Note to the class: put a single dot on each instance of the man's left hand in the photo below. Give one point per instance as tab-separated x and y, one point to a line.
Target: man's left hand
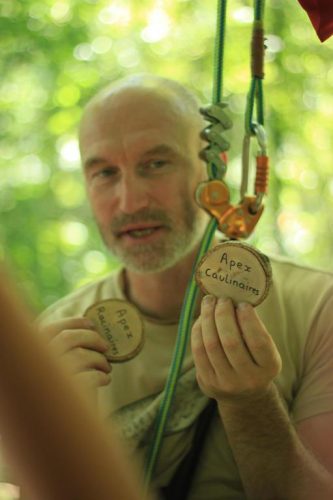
234	355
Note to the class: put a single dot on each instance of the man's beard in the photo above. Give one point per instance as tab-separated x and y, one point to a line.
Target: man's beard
180	237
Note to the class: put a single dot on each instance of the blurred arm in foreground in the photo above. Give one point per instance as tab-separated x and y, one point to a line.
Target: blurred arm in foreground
57	448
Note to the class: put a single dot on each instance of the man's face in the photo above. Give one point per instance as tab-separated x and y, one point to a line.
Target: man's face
140	156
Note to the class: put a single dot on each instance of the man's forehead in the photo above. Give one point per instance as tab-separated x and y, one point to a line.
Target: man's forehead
123	120
134	122
132	126
137	106
138	94
134	147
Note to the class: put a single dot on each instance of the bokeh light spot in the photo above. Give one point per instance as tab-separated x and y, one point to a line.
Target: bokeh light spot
31	170
116	13
101	44
60	12
95	262
63	121
158	26
68	95
73	234
309	179
69	154
84	52
128	56
68	191
243	14
274	43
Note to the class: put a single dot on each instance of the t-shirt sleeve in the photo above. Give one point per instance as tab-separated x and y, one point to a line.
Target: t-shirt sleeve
315	392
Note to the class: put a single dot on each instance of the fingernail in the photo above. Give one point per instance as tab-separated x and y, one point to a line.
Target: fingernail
90	324
223	300
243	306
209	300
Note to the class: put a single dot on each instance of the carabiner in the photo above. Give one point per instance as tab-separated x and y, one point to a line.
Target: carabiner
261	181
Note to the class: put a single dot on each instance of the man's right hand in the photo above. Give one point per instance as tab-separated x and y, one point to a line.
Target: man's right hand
81	350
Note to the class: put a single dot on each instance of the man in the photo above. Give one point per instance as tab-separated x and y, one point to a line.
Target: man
269	369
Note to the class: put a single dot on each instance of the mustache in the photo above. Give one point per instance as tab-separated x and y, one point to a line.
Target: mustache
144	215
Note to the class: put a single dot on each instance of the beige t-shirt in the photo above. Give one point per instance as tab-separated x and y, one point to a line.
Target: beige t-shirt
298	313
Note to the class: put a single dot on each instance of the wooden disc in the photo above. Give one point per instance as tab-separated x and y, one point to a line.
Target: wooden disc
121	325
237	271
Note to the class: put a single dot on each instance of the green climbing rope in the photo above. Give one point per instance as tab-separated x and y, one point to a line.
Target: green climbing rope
212	170
188	309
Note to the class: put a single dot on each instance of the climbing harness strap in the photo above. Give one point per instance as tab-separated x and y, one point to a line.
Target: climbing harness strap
180	484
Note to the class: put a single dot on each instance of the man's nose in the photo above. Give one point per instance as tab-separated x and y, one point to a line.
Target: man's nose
132	195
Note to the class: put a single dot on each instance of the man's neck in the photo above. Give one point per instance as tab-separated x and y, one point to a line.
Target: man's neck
160	295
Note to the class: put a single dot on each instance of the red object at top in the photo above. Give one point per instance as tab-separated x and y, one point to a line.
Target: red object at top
320	13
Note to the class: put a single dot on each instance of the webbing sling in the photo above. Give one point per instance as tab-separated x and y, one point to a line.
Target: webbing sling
180	484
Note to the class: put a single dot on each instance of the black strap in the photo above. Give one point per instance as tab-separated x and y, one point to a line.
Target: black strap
180	484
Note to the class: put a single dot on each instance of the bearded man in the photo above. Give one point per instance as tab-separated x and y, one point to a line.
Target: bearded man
269	370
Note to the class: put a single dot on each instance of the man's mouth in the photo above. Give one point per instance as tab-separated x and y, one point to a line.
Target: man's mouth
138	231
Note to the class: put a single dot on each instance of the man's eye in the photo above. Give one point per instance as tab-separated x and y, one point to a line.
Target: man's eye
103	173
156	164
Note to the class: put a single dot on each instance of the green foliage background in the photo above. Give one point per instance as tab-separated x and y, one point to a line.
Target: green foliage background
56	54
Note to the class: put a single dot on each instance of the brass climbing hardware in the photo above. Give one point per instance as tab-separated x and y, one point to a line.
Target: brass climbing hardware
235	221
238	221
